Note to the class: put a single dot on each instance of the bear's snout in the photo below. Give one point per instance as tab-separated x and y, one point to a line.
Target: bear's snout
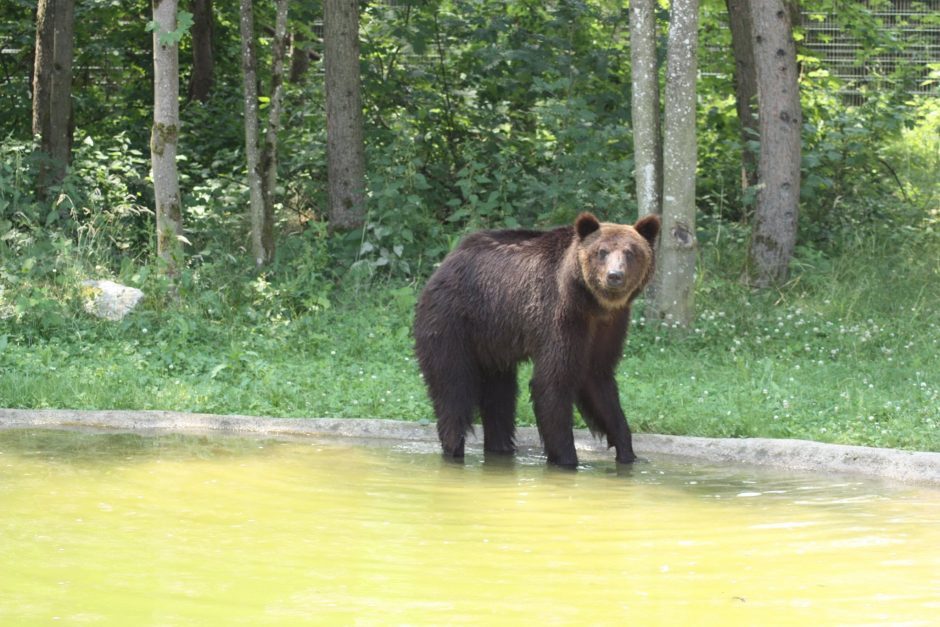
615	278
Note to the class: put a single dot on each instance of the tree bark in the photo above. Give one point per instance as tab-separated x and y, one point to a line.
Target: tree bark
42	73
202	77
647	135
745	86
52	88
344	132
252	149
773	236
299	57
164	137
60	112
647	141
677	245
269	150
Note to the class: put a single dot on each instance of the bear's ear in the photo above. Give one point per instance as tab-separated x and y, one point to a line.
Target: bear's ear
586	224
648	227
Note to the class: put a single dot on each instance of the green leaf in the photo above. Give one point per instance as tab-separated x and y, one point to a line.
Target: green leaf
184	21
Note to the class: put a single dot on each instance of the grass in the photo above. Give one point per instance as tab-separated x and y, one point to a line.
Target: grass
847	353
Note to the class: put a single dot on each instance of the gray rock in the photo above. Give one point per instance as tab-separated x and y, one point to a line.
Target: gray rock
110	300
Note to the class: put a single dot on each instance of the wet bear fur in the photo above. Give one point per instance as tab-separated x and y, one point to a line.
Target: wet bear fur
560	298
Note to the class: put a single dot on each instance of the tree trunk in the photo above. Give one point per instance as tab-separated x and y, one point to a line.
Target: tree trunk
647	138
677	246
200	81
745	86
60	112
647	142
42	63
52	88
163	140
773	236
269	151
299	57
344	133
252	149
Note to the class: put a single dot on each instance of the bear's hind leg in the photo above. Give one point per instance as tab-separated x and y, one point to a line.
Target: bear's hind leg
455	409
454	386
498	411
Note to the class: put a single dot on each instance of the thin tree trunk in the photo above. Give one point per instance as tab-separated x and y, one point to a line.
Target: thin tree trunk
42	74
299	57
773	236
345	150
269	150
52	88
163	140
60	113
252	149
647	142
201	79
745	86
647	135
677	248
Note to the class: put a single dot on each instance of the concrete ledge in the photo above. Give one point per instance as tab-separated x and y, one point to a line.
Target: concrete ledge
908	466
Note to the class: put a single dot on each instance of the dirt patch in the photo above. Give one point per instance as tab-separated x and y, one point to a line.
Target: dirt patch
908	466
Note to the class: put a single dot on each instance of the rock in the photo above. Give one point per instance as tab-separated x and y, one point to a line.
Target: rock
110	300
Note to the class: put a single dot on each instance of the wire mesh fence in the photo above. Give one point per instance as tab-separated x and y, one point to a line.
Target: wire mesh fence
872	45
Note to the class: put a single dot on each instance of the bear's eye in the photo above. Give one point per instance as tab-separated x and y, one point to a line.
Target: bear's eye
602	253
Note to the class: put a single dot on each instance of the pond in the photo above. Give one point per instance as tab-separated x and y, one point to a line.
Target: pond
130	528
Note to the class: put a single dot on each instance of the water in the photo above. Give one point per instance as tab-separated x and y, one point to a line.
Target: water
124	529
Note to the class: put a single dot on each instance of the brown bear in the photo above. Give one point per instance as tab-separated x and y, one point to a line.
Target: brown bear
560	298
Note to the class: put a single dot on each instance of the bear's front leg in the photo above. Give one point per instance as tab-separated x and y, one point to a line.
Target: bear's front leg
600	401
553	403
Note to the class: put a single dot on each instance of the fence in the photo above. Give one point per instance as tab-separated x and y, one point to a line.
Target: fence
895	45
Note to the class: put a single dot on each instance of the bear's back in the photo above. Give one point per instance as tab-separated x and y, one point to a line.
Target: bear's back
550	245
498	289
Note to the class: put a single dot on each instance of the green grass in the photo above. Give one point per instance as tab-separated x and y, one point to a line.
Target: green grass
847	352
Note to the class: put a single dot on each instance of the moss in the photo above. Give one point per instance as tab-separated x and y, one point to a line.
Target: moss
169	246
162	135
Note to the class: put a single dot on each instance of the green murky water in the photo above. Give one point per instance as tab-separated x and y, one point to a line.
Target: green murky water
186	530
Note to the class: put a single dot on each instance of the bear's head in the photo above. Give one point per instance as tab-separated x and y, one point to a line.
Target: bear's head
616	259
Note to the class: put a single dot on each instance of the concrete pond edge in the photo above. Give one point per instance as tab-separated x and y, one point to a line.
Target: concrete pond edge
897	465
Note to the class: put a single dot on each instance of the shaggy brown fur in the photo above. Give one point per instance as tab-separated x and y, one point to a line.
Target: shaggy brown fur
560	298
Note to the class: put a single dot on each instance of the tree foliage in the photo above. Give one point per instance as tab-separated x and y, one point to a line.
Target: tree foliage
477	114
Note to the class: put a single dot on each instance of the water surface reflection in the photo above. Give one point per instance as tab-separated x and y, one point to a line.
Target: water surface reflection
131	529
